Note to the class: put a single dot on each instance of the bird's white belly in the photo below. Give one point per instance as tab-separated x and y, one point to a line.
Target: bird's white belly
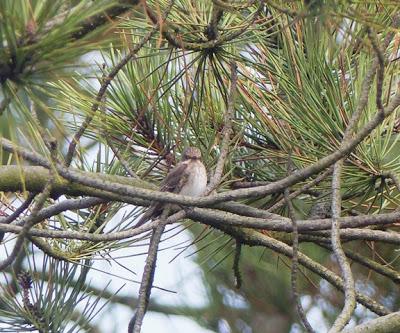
196	182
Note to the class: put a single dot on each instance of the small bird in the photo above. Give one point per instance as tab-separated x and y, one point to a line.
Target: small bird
188	177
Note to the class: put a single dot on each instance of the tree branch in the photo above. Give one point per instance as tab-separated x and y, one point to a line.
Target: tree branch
17	212
103	89
280	185
385	324
148	275
255	238
305	188
295	259
226	132
349	286
29	221
176	41
371	264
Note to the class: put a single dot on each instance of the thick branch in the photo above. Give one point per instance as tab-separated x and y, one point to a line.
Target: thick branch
277	186
33	179
386	324
18	178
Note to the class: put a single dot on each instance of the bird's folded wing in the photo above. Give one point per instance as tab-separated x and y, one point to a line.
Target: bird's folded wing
175	179
174	182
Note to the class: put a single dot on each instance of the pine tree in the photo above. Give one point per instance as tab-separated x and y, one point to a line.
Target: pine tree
293	106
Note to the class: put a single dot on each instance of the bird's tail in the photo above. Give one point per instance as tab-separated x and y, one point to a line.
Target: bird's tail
149	214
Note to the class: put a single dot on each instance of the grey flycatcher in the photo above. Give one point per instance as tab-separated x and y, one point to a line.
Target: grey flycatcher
188	177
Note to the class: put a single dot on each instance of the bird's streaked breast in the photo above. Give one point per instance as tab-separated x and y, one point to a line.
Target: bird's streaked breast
197	180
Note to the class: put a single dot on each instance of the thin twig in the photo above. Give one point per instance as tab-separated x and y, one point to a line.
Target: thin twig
349	287
146	285
47	139
235	266
226	132
371	264
59	207
305	188
121	159
380	71
115	150
348	234
9	219
104	86
295	259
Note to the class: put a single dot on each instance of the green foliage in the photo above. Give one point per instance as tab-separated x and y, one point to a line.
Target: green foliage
41	42
51	295
297	95
300	73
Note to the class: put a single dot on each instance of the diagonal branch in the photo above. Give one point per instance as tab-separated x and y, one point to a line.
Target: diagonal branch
254	238
121	159
226	132
388	323
295	259
305	188
371	264
9	219
104	86
148	275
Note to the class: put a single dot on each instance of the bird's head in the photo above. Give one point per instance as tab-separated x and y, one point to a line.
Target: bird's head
191	153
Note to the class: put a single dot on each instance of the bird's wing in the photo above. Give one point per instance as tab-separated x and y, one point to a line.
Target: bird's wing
174	182
175	179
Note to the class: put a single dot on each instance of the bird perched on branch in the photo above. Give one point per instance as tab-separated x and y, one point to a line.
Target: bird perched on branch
188	177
